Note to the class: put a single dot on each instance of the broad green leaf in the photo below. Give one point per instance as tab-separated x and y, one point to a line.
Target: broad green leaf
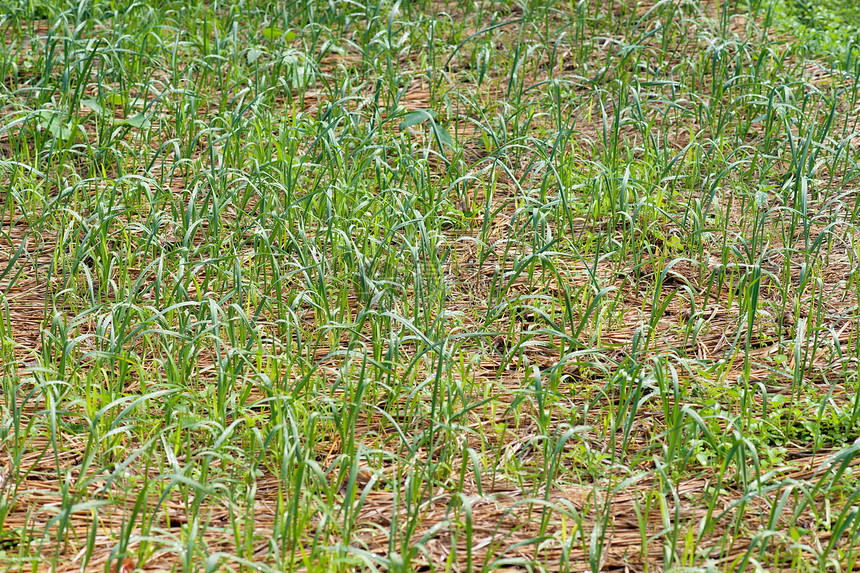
93	105
253	55
332	47
115	99
443	138
138	121
53	122
273	33
442	135
302	76
60	130
416	117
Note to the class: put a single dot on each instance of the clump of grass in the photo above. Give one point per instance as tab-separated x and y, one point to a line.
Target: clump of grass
398	286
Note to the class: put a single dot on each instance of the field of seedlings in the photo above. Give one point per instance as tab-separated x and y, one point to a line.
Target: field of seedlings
429	286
